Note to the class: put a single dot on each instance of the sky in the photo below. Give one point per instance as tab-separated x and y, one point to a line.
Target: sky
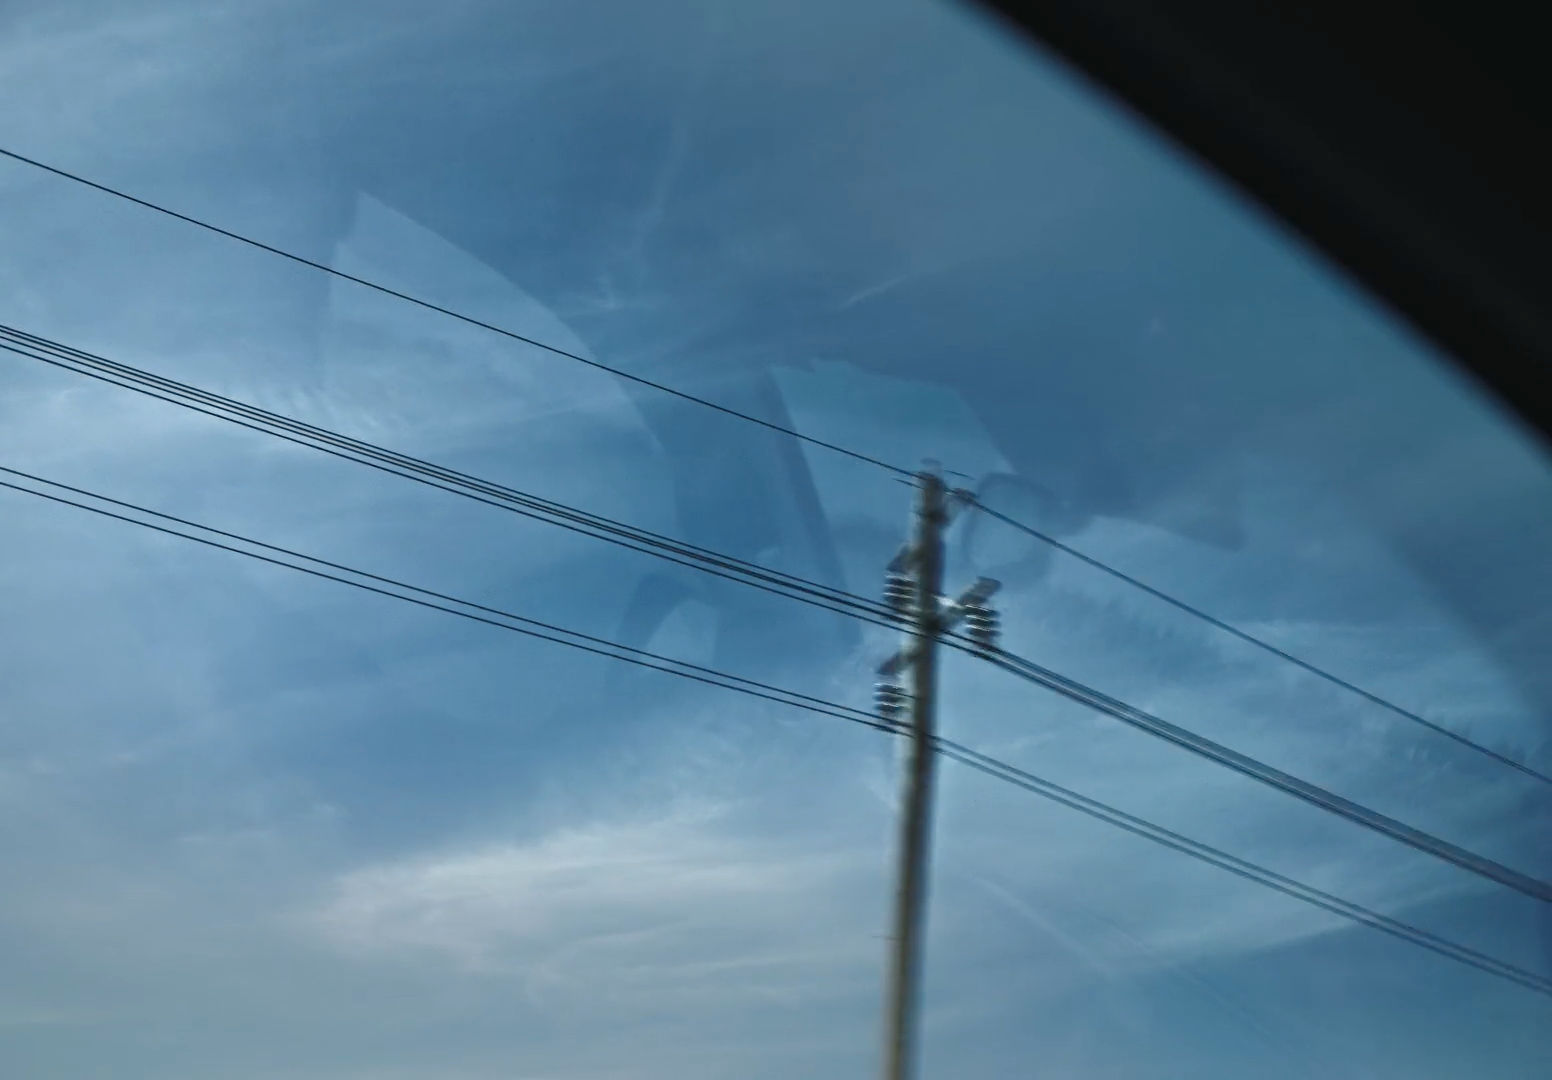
257	826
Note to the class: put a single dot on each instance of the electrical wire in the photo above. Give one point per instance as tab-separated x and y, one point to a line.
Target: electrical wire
1001	770
490	493
441	601
1270	776
1266	646
449	312
365	453
233	409
709	676
1287	657
1503	874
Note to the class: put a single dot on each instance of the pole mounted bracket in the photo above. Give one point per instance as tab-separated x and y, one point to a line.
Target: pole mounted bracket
898	662
972	599
983	590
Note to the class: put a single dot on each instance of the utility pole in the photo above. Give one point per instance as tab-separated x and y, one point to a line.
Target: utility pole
925	559
914	589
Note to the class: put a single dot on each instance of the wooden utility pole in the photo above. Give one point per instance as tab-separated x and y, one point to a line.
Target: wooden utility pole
924	562
913	589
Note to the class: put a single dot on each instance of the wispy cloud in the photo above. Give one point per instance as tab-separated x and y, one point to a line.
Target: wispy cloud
641	906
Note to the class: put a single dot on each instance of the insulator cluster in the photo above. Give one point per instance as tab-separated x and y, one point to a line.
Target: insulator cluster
982	626
889	699
899	593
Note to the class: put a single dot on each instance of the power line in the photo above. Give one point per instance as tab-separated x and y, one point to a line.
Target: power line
1272	777
246	415
1250	871
832	600
710	676
441	601
835	448
487	492
1266	646
859	607
490	493
449	312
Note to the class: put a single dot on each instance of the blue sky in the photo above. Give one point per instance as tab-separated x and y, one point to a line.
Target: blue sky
256	826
